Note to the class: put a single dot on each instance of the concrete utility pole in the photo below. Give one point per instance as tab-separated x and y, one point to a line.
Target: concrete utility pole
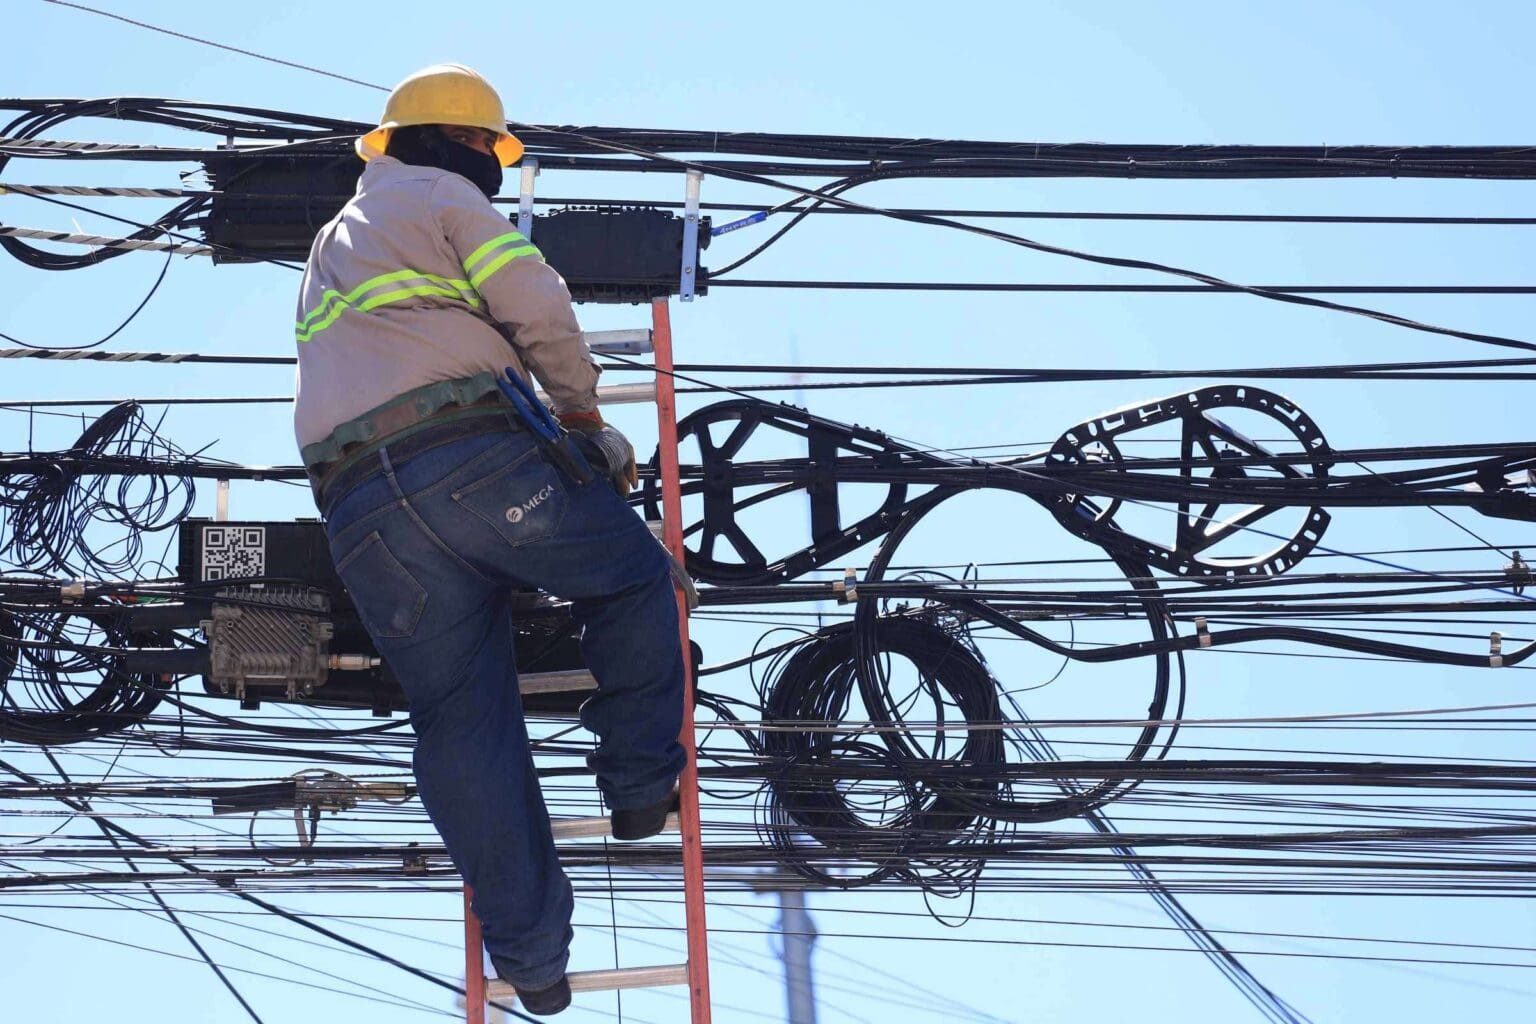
798	935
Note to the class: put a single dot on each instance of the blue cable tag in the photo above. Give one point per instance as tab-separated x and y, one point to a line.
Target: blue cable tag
736	225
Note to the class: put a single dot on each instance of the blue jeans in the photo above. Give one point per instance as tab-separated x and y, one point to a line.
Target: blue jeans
429	547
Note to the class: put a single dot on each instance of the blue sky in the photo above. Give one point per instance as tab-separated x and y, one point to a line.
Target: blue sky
1197	72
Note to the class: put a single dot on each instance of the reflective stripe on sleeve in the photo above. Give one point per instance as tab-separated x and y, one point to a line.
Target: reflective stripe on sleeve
497	253
411	283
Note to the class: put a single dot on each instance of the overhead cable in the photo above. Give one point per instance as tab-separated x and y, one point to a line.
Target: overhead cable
108	241
137	192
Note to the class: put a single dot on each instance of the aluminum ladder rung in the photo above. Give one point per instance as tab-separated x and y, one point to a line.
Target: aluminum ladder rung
497	990
636	342
564	681
619	394
597	828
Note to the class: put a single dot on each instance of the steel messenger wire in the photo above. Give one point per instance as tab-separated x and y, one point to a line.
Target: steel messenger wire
827	196
188	867
137	192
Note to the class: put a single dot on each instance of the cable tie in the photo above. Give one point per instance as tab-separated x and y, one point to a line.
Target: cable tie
1518	572
847	588
1203	631
1495	650
72	592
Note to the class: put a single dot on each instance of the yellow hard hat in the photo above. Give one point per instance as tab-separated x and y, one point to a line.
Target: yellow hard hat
443	94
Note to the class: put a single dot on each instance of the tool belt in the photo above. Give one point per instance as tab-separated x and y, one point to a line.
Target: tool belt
399	418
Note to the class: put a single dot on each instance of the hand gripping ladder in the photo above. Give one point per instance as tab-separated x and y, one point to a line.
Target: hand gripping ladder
695	972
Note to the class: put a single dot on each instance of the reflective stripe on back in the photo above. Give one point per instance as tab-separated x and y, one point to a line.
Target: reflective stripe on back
414	282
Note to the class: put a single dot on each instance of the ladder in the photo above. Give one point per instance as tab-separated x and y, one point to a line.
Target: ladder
478	989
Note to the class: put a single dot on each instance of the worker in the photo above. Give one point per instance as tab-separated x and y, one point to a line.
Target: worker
440	502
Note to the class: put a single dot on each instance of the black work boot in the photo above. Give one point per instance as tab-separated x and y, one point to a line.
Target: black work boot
643	822
545	1002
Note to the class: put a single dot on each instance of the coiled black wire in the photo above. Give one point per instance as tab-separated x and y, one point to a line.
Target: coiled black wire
932	790
816	686
50	508
873	680
33	124
55	689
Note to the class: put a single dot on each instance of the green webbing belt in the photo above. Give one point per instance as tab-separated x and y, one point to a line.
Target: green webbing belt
399	417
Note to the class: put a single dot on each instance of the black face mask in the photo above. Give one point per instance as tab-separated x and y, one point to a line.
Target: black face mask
426	146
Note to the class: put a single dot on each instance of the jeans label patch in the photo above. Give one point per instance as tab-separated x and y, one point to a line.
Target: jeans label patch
516	512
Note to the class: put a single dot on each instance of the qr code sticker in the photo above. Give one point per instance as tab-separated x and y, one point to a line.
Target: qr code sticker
230	552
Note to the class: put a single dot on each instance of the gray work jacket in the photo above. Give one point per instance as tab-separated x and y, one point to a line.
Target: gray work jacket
420	280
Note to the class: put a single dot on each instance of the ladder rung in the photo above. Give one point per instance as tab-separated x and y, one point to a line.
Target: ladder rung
556	682
624	343
596	828
620	394
602	981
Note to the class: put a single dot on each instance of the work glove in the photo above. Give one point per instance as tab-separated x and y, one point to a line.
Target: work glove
681	578
606	450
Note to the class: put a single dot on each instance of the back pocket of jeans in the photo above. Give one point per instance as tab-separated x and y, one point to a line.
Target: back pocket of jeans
389	600
524	501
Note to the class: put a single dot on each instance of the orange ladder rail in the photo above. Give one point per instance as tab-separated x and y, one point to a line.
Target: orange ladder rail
476	987
688	785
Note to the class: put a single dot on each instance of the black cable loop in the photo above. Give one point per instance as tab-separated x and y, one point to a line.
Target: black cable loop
873	682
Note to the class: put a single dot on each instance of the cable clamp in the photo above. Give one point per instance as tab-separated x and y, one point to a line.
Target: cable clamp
390	792
1202	631
325	792
72	592
687	276
1519	573
1495	650
847	588
530	171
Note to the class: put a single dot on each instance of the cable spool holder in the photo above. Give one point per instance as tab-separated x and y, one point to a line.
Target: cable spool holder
840	453
1231	455
717	479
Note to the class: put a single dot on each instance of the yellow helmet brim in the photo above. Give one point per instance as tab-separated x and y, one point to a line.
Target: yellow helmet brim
508	148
